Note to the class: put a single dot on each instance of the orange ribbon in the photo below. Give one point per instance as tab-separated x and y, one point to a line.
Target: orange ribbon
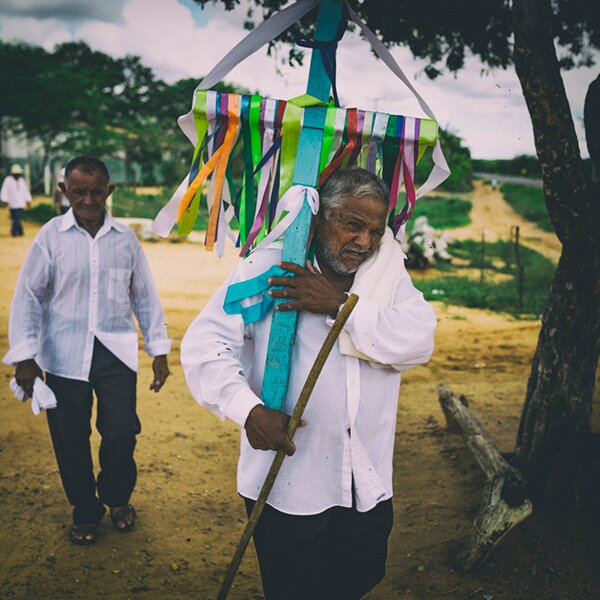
218	161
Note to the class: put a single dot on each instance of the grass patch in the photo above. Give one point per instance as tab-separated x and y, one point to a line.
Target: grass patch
443	213
498	257
529	203
40	213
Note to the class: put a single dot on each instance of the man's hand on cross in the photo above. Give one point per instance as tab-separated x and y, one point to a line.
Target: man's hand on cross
308	290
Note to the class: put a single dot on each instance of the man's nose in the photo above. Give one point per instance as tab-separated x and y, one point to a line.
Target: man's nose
364	239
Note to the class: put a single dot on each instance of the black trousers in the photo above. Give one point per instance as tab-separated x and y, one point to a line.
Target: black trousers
338	554
117	422
16	214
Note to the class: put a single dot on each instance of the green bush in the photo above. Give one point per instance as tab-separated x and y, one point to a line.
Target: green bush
529	203
442	213
459	160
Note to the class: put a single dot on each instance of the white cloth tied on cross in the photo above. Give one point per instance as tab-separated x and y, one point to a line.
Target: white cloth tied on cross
288	208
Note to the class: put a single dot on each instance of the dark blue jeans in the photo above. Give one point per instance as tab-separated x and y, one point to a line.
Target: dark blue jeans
117	422
338	554
16	214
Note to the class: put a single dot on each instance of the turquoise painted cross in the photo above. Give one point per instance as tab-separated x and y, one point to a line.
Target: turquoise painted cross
295	241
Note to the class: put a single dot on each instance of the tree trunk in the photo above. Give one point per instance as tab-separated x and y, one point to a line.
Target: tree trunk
591	121
505	503
555	422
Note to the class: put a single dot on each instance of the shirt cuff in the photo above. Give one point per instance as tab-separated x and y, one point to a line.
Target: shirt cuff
22	351
158	347
369	317
363	318
240	406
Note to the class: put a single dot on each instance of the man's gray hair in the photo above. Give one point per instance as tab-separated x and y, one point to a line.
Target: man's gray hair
355	183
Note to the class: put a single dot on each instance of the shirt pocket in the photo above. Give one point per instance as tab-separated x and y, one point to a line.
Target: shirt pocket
118	286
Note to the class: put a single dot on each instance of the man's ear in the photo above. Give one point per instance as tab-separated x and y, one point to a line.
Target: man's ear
111	188
62	187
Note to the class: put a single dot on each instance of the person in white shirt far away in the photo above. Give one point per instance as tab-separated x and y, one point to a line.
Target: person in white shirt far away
324	531
72	317
16	194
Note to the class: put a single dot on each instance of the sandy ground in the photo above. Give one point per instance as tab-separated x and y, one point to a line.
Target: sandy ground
190	518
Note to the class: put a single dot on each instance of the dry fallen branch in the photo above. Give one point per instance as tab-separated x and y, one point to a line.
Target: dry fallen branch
505	503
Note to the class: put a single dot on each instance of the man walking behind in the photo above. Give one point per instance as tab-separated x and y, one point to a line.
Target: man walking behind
16	194
323	534
71	316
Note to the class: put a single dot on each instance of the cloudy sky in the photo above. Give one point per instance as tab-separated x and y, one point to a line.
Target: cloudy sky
177	39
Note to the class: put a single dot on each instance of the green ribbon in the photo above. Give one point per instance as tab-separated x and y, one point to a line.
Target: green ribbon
328	136
290	134
428	134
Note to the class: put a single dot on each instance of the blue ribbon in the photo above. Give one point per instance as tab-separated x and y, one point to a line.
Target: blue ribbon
328	50
195	168
237	292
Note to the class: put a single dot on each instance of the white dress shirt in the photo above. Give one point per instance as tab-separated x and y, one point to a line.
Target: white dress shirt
15	192
74	287
351	415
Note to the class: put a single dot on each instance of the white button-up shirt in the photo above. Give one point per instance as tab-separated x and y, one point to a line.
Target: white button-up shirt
74	287
15	192
351	415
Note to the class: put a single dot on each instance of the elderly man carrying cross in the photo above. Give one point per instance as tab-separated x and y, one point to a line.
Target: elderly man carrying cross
324	531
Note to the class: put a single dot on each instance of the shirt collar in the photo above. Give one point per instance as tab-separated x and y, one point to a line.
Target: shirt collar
68	221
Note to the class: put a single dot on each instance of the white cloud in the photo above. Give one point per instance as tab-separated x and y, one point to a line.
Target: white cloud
65	10
46	33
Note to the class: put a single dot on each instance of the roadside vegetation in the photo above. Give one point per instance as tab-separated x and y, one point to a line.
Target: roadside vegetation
496	276
529	203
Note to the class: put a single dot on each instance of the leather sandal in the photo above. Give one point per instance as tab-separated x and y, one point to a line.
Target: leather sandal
83	534
117	515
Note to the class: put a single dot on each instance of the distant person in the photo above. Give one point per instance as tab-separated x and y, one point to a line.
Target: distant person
494	183
16	194
72	317
61	202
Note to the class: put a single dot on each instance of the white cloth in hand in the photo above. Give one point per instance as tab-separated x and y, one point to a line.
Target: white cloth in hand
43	397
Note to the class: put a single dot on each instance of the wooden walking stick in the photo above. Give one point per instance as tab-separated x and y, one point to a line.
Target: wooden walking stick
309	385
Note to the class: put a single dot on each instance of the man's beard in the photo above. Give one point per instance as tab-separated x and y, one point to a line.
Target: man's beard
331	258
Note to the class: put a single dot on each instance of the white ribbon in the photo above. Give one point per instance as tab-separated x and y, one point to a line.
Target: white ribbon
440	171
167	217
256	39
291	203
264	33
